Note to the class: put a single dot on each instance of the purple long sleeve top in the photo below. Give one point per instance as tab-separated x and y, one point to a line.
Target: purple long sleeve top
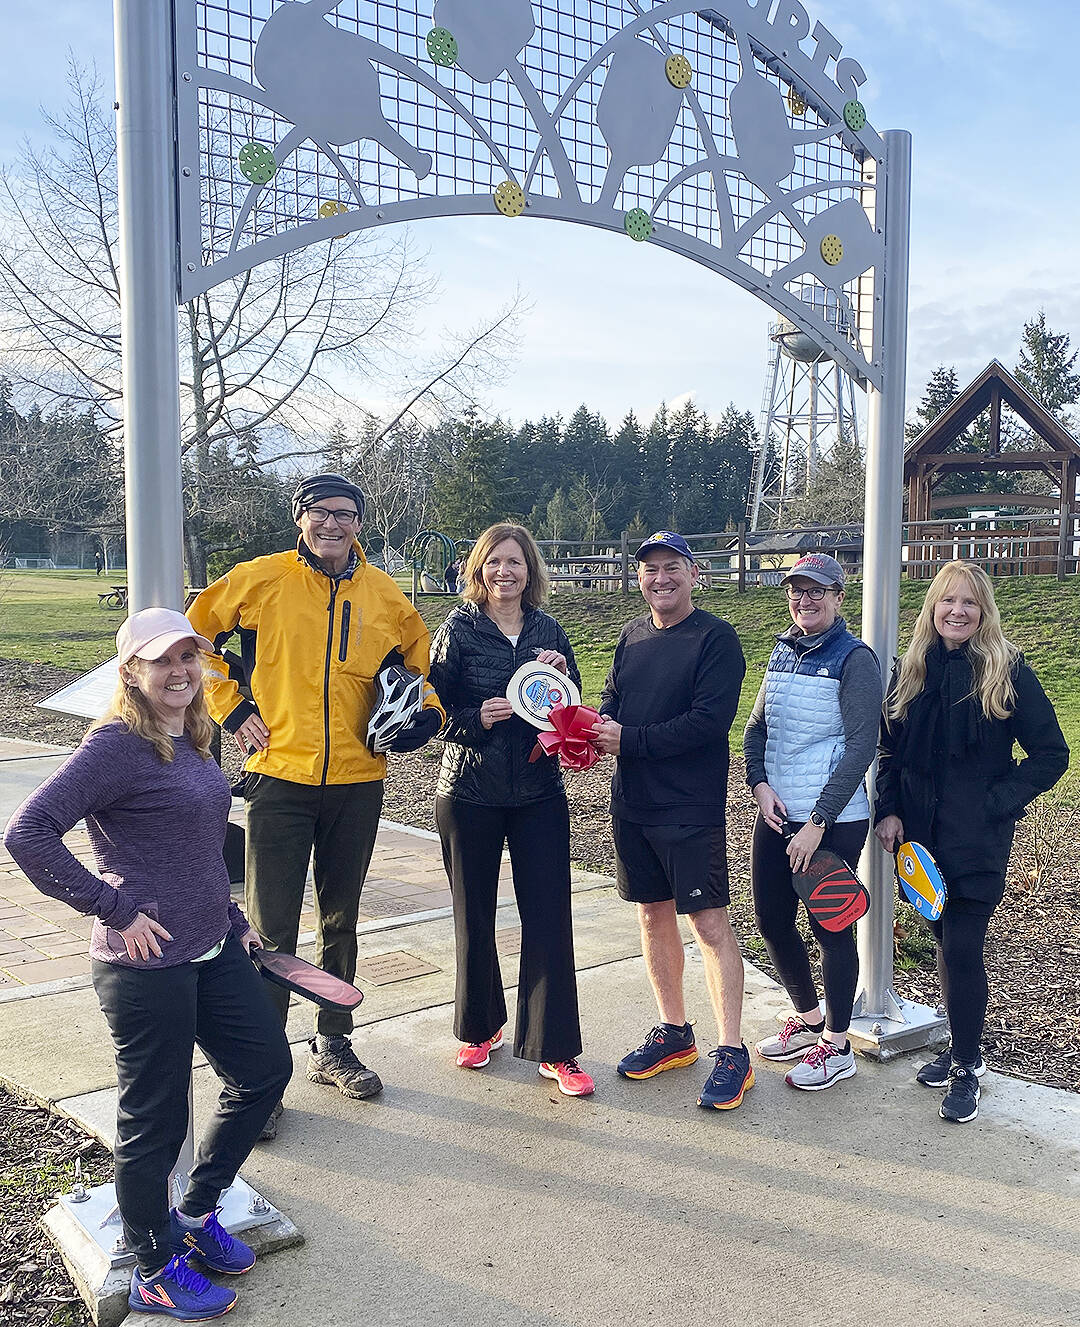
157	832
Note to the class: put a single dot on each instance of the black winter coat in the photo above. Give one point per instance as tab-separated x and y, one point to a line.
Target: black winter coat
949	774
471	661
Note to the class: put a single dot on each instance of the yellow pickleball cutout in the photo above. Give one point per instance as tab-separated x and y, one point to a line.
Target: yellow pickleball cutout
510	199
832	249
678	70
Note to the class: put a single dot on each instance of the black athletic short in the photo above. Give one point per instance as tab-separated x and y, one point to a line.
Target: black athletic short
687	863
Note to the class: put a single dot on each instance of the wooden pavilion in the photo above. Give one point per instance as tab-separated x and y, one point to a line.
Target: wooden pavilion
1035	546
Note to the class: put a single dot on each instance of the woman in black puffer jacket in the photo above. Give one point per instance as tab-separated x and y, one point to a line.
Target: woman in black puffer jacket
961	696
490	795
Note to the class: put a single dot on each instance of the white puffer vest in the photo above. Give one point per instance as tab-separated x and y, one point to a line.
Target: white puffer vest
804	727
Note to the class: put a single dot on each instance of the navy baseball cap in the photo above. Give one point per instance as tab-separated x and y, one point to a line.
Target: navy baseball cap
665	539
819	568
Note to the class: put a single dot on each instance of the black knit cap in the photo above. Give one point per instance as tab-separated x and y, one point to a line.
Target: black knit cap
316	487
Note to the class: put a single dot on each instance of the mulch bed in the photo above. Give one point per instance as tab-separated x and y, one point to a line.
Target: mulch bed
41	1156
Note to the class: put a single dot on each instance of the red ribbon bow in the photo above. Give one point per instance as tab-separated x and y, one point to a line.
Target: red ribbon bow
572	739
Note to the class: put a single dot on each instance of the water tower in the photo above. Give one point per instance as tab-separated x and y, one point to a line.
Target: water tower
808	405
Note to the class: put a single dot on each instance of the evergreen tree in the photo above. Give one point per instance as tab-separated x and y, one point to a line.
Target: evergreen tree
470	483
655	484
1046	368
942	389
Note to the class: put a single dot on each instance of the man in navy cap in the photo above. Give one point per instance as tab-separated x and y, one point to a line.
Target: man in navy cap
316	624
668	704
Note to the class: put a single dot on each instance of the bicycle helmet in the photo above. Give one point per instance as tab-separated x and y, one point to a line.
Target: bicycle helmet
399	698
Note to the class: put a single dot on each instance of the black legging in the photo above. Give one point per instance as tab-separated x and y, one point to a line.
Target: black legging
776	906
960	934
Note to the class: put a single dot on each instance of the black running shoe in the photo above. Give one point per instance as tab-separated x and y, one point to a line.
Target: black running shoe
962	1099
936	1073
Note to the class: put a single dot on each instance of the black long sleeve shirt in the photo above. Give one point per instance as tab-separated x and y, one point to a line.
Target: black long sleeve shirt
675	690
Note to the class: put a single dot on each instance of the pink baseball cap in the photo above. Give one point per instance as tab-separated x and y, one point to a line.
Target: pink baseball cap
151	631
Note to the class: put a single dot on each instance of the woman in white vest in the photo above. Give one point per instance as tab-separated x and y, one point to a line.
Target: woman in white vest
808	744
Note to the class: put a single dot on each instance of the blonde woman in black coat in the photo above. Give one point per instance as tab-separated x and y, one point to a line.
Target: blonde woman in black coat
960	698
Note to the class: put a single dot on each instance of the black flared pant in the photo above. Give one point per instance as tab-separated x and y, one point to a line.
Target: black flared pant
538	836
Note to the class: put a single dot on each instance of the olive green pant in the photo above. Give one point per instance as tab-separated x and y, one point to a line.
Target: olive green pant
285	821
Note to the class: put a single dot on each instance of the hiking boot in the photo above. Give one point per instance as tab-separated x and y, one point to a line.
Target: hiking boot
823	1065
962	1099
731	1078
936	1073
212	1244
477	1053
179	1292
337	1066
789	1043
572	1079
269	1130
666	1047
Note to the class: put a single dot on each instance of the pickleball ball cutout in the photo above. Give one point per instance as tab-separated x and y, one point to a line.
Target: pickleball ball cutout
678	70
442	47
257	164
510	199
832	249
638	224
796	102
855	115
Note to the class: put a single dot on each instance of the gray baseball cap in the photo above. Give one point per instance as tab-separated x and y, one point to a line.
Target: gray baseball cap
819	568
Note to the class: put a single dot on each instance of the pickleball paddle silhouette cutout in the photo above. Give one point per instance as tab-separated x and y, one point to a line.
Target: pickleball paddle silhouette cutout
636	112
323	80
764	139
847	224
490	34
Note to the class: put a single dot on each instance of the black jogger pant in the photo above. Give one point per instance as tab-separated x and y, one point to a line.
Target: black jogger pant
775	907
538	836
284	822
156	1017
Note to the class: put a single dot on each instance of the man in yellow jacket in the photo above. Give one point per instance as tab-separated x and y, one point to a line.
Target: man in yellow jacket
316	624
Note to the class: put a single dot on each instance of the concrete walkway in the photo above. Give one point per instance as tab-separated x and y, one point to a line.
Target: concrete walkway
486	1198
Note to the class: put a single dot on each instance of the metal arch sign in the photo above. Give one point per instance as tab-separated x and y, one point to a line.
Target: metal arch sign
733	135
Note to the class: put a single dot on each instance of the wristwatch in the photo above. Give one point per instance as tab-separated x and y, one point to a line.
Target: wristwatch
818	820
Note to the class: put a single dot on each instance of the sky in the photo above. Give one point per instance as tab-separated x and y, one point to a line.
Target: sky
988	92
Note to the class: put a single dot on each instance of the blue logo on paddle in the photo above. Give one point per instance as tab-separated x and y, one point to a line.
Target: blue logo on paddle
542	696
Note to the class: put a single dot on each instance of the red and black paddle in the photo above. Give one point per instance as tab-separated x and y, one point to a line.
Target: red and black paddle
831	891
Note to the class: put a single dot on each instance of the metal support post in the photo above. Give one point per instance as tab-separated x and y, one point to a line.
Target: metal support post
146	197
885	1024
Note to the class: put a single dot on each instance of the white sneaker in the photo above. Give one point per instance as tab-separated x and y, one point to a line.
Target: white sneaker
789	1043
822	1066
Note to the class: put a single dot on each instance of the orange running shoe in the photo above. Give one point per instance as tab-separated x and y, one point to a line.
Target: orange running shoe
573	1081
477	1053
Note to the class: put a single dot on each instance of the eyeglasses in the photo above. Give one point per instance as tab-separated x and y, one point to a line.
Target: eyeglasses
811	592
344	516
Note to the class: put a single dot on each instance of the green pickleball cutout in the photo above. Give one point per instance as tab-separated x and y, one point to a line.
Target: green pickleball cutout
638	224
854	115
257	163
442	47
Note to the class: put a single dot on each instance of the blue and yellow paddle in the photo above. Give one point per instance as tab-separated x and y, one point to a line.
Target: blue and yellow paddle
921	880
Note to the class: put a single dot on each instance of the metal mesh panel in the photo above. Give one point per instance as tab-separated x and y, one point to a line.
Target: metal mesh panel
478	135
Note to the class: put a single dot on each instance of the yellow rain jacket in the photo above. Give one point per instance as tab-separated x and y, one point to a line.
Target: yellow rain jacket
311	646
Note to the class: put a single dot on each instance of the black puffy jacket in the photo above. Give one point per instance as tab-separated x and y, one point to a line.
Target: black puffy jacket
471	661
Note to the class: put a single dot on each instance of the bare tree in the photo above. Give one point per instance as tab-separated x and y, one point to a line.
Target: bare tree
268	348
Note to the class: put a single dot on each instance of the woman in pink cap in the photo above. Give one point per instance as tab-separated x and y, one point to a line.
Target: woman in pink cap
169	955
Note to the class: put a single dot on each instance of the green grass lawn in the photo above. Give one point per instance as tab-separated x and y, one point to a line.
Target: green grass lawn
53	617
